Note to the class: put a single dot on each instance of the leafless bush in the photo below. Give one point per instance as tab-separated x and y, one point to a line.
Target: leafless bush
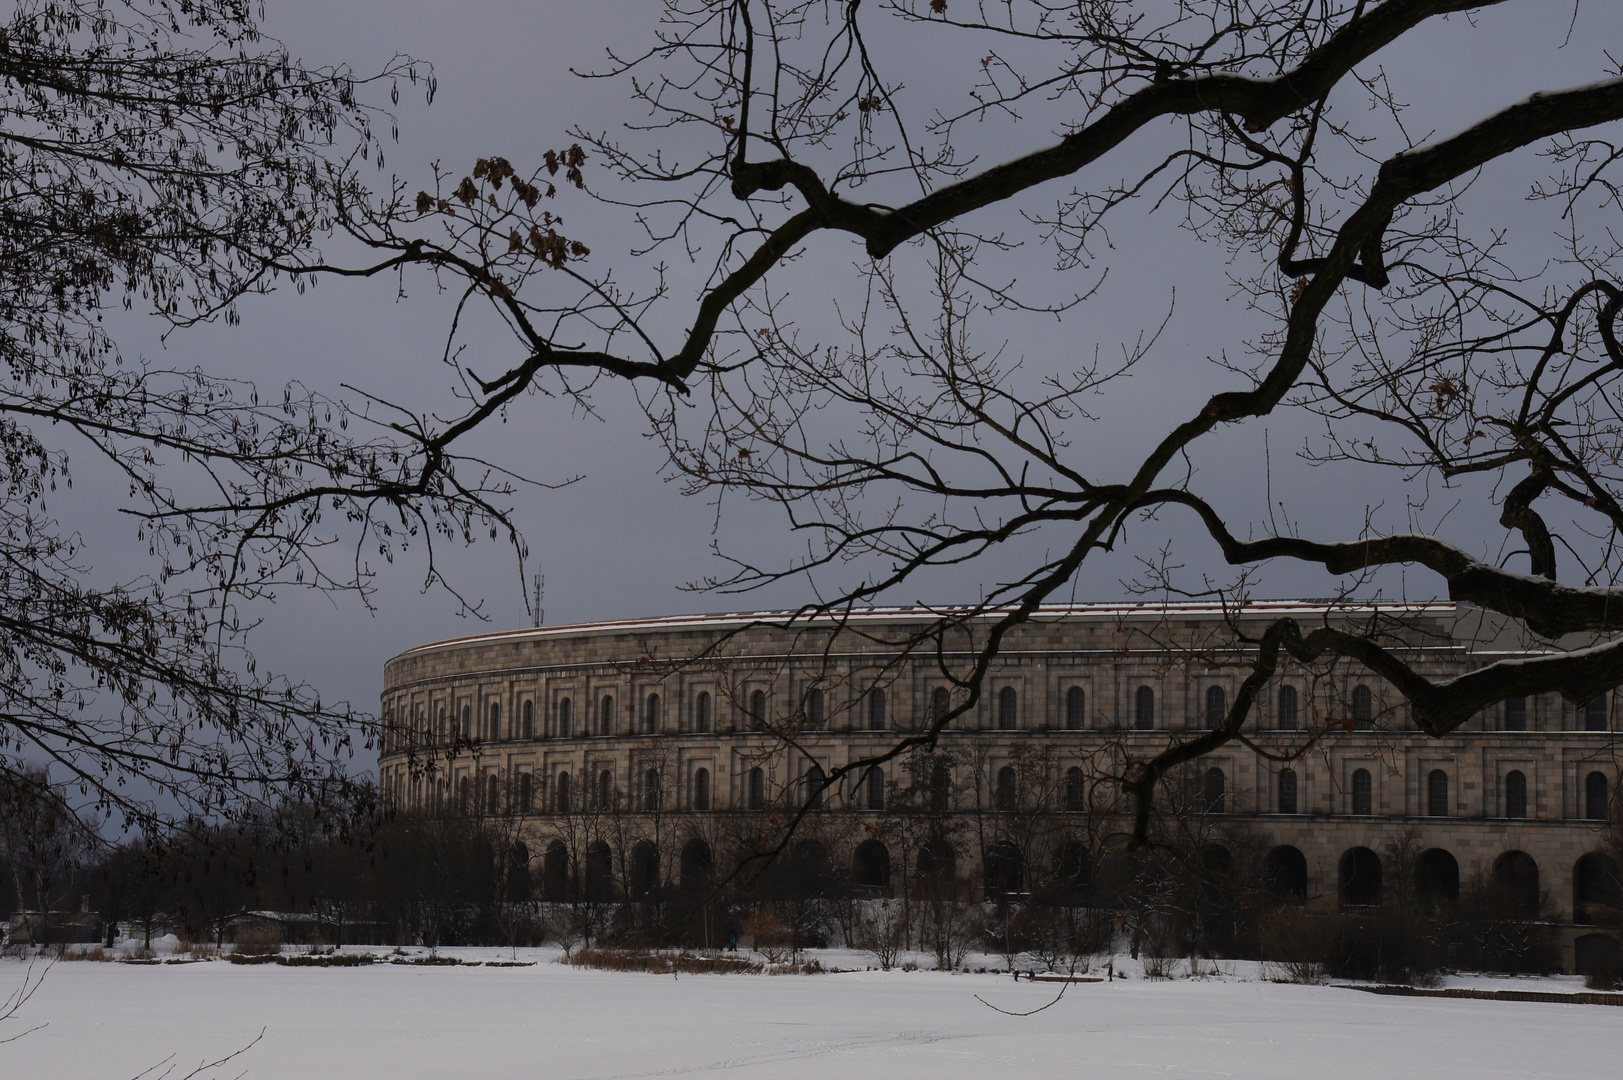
1294	949
881	930
772	938
949	928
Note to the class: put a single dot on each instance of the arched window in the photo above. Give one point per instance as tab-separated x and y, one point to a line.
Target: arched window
1217	706
599	871
1076	713
940	788
1363	708
555	871
814	708
1360	878
564	709
1144	709
701	713
1516	714
526	792
1595	891
701	789
1289	715
940	703
1437	793
870	868
1287	791
876	709
1515	794
605	716
816	780
650	715
1004	871
1284	874
495	721
1216	788
1515	876
605	789
1076	794
650	790
875	784
1007	788
1437	876
1595	796
1363	792
758	710
696	864
1008	703
644	869
1595	715
493	794
757	789
464	795
467	721
561	793
529	719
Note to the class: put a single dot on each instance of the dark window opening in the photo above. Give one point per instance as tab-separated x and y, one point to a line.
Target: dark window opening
1217	706
1289	716
1363	793
1516	714
1363	708
1075	790
1075	711
1287	791
1144	709
1007	788
1437	793
1360	873
1437	876
1515	794
875	784
1216	788
1596	796
1007	707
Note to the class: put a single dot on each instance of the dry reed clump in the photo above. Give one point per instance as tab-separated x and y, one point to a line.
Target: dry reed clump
256	943
684	963
94	954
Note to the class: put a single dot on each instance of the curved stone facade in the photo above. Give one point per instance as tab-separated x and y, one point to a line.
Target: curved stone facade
656	734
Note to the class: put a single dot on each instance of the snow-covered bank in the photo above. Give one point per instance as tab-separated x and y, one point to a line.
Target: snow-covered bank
112	1020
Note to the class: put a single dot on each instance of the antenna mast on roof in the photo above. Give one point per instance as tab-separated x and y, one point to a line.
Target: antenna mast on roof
539	613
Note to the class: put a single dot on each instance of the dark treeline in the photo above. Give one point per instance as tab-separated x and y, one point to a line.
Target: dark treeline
1040	889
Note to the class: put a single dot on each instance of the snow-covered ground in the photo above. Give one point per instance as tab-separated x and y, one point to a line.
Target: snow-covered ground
555	1022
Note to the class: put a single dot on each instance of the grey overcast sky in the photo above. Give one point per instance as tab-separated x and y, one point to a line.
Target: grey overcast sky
620	542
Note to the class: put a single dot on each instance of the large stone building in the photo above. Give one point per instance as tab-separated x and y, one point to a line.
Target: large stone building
674	726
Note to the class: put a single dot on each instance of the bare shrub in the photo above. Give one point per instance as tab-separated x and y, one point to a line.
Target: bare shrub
881	931
773	940
1294	948
1605	973
949	928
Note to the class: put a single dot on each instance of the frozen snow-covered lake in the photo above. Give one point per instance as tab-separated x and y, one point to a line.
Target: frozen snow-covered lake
550	1021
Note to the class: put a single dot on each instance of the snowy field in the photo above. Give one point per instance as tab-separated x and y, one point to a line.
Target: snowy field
553	1022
